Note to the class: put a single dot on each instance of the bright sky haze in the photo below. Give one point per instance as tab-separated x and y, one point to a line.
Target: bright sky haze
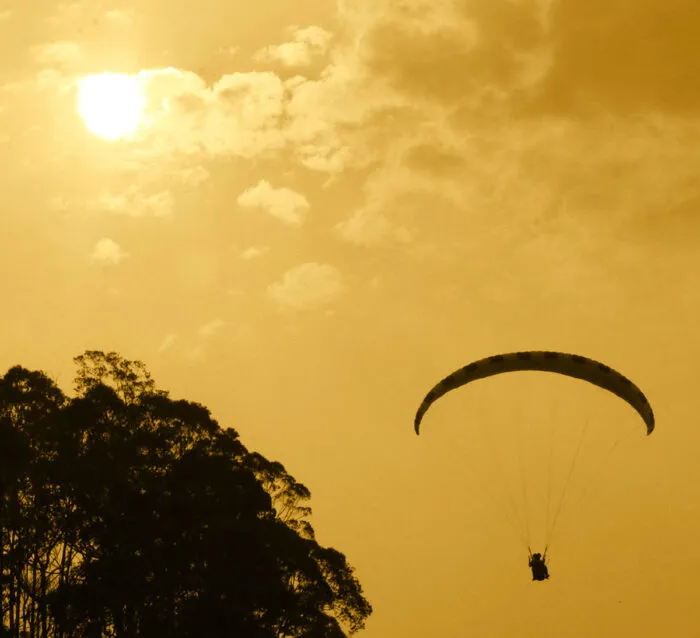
305	214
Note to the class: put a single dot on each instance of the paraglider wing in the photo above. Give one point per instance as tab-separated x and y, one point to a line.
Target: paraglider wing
571	365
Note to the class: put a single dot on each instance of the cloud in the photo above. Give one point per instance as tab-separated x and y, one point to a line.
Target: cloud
230	50
194	176
195	353
240	115
415	172
135	203
168	341
195	346
108	252
623	58
248	114
306	45
537	56
65	14
451	51
59	203
455	107
62	53
81	16
254	251
321	123
120	17
324	158
211	328
369	226
333	121
283	203
308	286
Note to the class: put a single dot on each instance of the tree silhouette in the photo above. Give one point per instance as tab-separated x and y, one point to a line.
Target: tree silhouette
126	513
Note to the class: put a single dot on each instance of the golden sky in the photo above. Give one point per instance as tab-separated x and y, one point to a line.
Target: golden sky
304	214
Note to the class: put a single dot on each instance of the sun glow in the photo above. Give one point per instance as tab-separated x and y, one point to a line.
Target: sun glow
111	104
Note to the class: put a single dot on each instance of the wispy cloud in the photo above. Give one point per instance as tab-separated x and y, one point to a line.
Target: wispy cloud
195	175
211	328
168	341
58	53
254	251
135	203
120	17
195	353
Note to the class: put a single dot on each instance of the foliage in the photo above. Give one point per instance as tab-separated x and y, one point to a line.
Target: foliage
126	513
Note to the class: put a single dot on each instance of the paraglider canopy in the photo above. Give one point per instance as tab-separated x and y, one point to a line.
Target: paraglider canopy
571	365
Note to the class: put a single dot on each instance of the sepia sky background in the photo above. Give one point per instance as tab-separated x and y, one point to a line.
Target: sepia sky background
326	208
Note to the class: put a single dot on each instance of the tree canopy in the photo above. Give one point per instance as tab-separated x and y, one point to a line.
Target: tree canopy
124	512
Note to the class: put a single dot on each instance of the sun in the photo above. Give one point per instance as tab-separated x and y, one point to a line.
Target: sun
111	104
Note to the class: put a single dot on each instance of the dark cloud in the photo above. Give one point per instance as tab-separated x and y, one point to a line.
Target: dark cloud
534	56
623	57
456	51
433	160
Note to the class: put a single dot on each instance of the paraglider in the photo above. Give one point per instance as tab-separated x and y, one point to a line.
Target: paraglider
571	365
538	564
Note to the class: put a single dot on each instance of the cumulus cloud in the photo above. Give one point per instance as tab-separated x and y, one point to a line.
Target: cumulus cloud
283	203
307	287
240	115
306	45
368	226
108	252
333	120
243	114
